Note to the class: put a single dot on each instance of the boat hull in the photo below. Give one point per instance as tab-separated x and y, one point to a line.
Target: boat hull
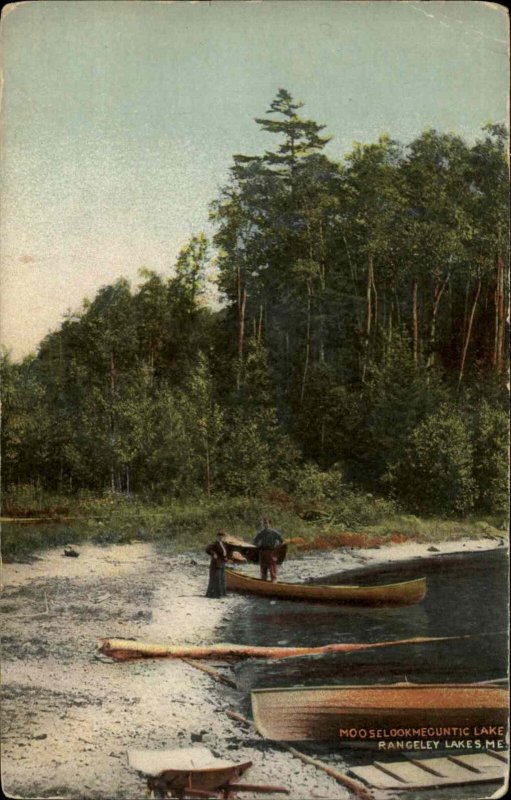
405	593
339	713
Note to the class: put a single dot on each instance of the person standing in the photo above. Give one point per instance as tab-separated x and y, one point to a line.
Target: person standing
268	540
218	552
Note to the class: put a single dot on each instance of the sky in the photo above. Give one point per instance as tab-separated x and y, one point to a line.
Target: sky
119	119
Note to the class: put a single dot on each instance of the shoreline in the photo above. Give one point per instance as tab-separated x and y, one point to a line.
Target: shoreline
69	717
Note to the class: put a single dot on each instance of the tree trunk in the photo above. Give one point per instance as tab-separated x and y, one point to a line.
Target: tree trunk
469	332
353	271
369	312
208	471
307	343
242	301
124	649
397	307
112	422
438	292
500	318
415	322
375	294
151	365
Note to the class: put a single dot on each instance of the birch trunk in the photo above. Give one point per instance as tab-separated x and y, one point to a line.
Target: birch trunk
307	343
124	649
500	317
469	332
438	292
415	322
369	313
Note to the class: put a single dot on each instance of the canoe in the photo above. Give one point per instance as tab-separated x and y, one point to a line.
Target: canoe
348	714
404	593
187	768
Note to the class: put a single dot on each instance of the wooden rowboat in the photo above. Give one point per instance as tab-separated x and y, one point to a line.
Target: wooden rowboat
339	713
404	593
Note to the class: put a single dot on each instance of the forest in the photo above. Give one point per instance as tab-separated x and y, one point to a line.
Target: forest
359	343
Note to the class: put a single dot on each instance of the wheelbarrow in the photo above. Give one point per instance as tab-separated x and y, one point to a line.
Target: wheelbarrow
193	772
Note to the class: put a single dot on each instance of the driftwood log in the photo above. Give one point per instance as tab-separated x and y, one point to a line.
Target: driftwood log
355	786
126	649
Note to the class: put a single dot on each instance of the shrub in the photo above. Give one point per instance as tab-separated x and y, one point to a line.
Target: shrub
436	474
491	440
313	486
356	510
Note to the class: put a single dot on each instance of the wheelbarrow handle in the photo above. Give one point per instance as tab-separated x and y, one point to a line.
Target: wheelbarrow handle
256	787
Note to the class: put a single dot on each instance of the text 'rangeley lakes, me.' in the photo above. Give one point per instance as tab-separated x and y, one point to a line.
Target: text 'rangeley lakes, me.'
479	737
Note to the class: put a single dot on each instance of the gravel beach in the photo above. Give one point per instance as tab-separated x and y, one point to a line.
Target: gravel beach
68	717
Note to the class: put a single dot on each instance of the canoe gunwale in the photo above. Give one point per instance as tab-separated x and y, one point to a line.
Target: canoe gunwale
330	585
377	687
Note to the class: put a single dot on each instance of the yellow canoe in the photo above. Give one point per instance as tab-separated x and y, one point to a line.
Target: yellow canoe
404	593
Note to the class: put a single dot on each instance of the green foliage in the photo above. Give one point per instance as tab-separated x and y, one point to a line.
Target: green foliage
301	136
491	459
314	487
363	310
358	510
247	457
191	269
204	425
436	473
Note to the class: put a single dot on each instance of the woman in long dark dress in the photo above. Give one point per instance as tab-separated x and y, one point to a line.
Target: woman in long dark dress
218	552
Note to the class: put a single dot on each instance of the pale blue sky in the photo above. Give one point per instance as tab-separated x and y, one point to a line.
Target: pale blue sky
119	119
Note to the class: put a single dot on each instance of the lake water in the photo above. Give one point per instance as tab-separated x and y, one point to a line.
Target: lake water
466	597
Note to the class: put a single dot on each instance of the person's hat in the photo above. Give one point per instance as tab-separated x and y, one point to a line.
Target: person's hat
221	533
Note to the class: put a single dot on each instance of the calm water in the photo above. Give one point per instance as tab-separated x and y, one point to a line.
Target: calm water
467	596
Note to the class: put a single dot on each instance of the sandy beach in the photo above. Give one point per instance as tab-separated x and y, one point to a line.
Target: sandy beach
68	718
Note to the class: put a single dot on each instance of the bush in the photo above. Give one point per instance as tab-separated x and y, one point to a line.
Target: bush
491	459
313	487
357	510
436	474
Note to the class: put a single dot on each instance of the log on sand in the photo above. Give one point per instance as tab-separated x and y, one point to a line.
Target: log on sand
352	784
126	649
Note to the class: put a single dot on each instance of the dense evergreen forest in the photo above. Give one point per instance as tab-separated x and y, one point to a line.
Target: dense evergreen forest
360	343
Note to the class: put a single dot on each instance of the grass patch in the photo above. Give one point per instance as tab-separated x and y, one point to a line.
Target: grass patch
354	521
174	524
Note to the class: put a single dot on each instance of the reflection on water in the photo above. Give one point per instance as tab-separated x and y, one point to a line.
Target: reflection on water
466	597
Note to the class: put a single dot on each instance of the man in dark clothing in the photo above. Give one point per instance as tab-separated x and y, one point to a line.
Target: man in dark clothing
219	556
268	540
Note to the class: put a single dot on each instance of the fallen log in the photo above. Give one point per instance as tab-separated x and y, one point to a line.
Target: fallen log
352	784
126	649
